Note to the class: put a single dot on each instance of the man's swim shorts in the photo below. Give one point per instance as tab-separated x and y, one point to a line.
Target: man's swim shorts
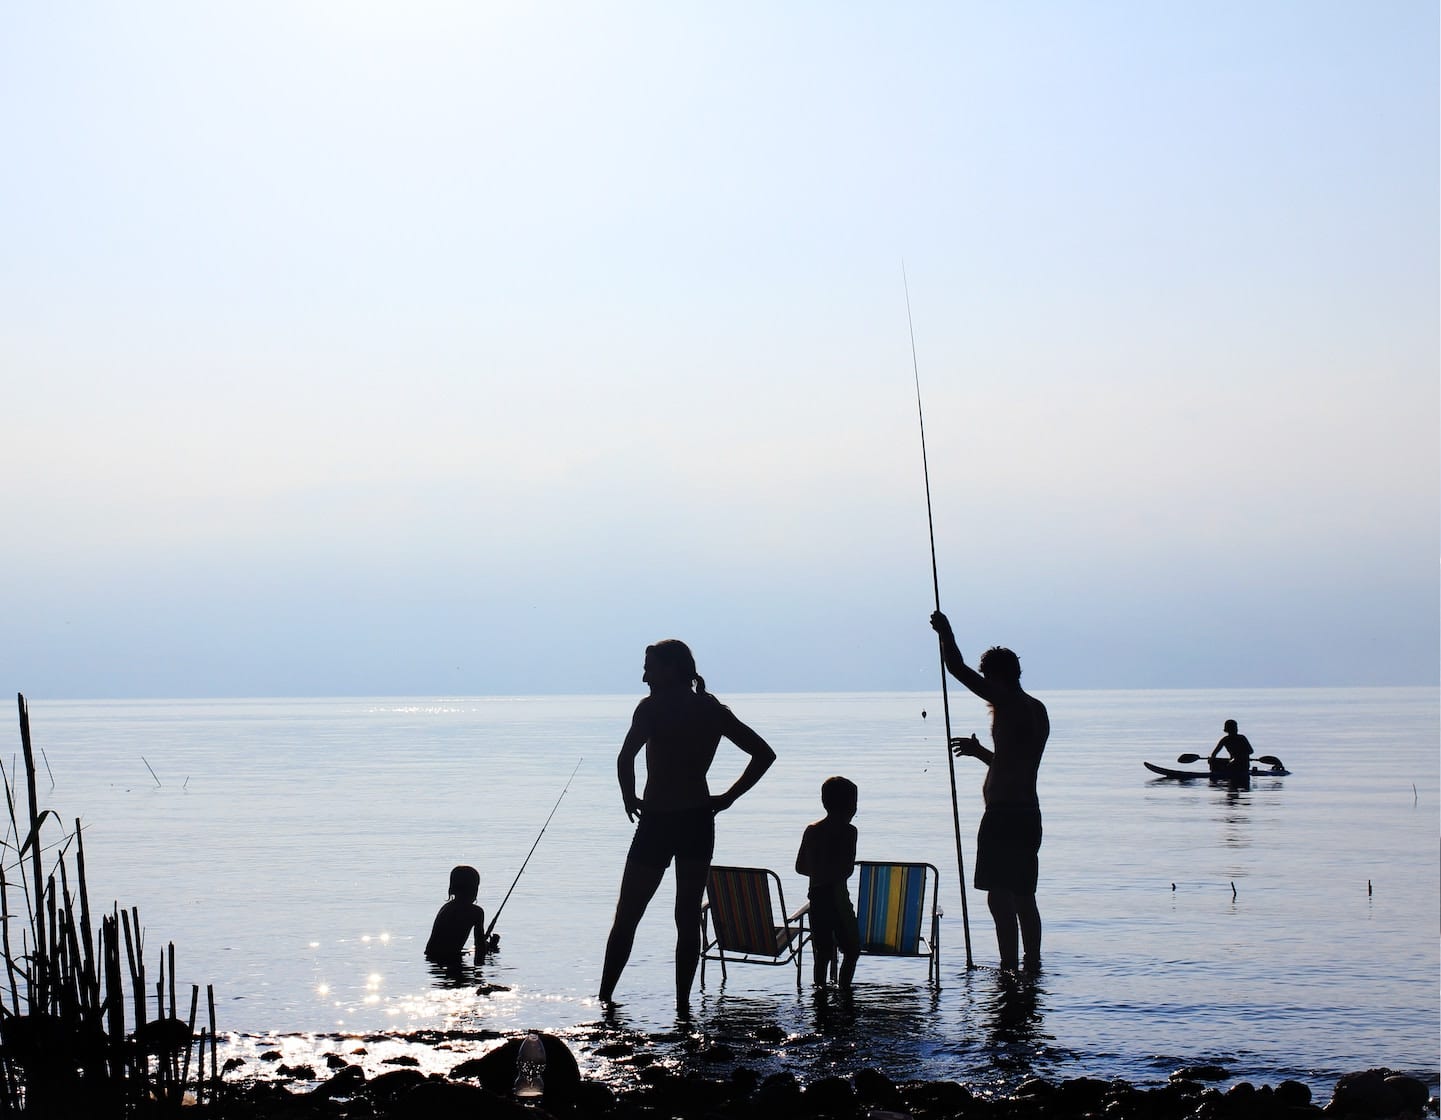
1008	845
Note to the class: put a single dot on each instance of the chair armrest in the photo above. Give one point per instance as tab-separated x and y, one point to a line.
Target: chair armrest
805	908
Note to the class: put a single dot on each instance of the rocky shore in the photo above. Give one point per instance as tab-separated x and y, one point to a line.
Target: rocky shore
484	1087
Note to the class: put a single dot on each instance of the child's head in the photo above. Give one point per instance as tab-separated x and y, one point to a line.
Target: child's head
464	883
839	796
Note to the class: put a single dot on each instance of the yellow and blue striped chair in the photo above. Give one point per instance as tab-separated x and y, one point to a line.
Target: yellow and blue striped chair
891	911
738	921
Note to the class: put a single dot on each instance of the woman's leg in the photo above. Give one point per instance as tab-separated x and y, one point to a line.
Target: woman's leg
637	887
690	881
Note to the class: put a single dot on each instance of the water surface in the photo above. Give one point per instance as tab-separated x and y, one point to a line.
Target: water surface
296	850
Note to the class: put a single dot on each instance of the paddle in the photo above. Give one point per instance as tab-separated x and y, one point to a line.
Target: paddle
1269	759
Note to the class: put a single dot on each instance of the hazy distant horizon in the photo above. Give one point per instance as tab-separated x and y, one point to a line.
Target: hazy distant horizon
457	348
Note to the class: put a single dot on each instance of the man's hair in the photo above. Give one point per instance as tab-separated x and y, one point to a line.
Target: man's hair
1000	663
838	792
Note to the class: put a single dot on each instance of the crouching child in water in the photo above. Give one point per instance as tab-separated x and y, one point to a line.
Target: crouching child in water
827	857
457	918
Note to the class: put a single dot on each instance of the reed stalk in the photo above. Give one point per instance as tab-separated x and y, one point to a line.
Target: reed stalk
65	1048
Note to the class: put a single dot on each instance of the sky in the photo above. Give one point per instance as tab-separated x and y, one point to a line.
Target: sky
355	348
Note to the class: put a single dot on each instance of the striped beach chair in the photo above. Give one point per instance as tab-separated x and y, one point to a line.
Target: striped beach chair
738	921
891	907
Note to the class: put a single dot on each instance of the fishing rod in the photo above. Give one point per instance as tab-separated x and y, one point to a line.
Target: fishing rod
936	584
490	928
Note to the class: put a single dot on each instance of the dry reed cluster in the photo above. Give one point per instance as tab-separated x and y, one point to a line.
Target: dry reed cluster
65	1047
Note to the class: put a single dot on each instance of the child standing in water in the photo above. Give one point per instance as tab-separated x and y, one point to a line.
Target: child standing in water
827	857
457	918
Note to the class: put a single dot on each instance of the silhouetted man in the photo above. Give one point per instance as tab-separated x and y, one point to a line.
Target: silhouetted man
1008	842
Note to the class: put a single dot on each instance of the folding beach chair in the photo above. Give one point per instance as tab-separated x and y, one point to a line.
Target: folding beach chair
891	912
738	921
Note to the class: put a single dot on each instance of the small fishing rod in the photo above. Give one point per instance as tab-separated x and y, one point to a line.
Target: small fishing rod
936	584
490	928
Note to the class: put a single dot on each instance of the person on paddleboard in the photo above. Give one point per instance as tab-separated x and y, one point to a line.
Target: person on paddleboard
1008	842
680	725
457	918
1237	763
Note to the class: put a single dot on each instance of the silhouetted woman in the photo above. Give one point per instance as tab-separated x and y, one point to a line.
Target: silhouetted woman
680	725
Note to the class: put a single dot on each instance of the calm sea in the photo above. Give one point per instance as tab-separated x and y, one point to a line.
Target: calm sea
295	852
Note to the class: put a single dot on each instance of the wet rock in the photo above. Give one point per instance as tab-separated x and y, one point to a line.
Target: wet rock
453	1100
875	1088
829	1096
1244	1101
1082	1094
779	1095
594	1098
346	1083
296	1073
394	1084
688	1094
1412	1091
401	1060
1200	1073
261	1098
1293	1094
334	1061
942	1098
1173	1099
1036	1088
1378	1093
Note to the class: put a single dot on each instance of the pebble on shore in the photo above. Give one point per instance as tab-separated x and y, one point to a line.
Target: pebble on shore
482	1087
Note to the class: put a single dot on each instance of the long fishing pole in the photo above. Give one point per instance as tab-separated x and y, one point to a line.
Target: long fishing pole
518	874
936	584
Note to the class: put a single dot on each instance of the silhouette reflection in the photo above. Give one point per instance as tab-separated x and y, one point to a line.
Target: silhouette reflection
1013	1009
984	1027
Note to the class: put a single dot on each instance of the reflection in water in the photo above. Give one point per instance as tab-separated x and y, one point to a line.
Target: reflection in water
1236	816
984	1028
1014	1010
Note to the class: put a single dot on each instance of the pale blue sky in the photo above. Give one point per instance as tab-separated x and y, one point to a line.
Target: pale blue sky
425	348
